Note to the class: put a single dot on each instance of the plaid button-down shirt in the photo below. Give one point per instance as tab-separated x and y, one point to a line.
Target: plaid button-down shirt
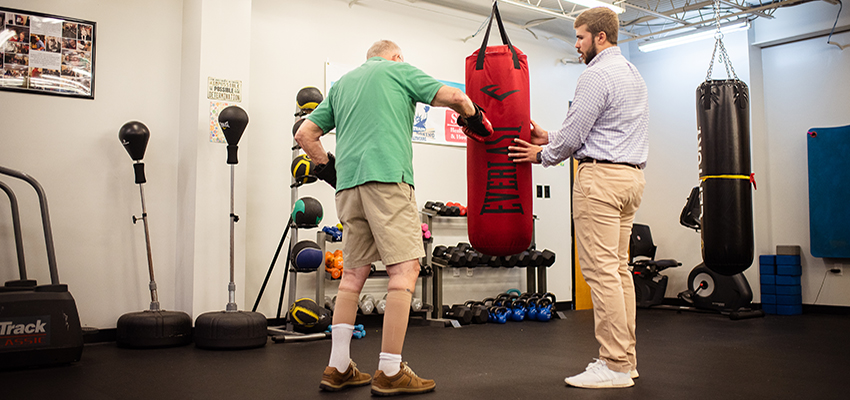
609	116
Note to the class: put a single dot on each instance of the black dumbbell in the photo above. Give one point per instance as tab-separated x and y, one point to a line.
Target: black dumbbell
493	261
472	259
458	312
480	314
439	251
510	261
524	259
543	258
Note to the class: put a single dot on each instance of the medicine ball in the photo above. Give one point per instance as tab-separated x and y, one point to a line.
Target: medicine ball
308	98
308	317
307	256
302	169
297	125
307	212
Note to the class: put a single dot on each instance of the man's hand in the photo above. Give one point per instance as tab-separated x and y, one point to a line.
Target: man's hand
538	135
524	152
476	126
327	171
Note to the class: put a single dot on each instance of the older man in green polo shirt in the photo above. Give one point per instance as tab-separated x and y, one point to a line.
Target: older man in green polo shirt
372	109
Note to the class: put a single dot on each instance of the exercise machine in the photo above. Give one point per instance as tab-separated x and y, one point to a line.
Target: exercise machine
39	324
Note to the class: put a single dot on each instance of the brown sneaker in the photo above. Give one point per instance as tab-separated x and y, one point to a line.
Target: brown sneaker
405	381
333	380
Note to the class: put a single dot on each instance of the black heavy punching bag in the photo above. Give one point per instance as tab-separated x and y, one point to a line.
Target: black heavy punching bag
723	138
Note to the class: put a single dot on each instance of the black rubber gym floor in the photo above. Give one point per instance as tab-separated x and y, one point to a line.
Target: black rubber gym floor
680	355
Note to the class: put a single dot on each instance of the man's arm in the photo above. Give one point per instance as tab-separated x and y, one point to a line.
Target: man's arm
453	98
309	138
472	120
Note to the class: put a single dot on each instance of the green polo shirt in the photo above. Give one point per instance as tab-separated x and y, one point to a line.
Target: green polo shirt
372	108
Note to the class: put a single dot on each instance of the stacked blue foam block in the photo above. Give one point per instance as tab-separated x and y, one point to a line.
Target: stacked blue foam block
781	289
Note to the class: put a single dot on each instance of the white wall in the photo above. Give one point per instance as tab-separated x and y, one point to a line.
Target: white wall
792	87
71	147
806	86
430	37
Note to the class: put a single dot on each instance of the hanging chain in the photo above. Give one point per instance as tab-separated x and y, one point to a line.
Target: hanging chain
724	57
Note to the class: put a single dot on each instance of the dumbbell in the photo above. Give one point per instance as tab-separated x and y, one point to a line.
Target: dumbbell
381	306
472	259
524	259
367	304
510	261
439	251
416	304
492	261
359	331
458	312
479	311
543	258
329	303
334	232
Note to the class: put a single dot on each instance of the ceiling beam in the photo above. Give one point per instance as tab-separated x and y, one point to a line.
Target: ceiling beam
750	10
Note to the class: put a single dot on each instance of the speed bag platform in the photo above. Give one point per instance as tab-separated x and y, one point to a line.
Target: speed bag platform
39	326
723	139
500	220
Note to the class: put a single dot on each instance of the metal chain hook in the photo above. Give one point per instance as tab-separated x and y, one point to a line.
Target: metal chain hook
718	42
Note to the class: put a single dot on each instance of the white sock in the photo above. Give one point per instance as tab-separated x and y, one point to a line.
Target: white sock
340	346
389	363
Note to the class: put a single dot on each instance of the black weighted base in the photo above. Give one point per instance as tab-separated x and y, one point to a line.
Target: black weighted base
150	329
220	330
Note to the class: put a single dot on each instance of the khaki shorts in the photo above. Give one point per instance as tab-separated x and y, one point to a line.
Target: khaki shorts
380	222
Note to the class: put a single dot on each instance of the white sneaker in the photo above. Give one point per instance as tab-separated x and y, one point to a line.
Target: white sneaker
598	375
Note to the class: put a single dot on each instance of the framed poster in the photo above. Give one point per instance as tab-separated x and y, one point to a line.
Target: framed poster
46	54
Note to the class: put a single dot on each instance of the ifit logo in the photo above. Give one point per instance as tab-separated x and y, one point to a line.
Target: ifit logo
8	328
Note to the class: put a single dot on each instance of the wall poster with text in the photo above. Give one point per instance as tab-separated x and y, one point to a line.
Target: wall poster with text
46	54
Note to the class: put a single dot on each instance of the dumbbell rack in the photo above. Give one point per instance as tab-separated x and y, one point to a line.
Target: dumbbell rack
535	277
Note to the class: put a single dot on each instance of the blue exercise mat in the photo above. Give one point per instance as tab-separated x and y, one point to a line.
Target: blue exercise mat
829	191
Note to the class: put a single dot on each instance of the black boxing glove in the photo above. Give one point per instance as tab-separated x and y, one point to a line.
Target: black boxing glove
327	171
477	126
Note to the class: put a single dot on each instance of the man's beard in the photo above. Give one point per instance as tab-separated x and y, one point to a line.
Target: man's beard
588	56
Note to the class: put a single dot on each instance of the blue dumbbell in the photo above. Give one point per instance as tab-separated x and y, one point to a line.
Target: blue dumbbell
359	332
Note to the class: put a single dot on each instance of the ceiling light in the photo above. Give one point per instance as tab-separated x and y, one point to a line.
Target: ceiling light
597	3
653	45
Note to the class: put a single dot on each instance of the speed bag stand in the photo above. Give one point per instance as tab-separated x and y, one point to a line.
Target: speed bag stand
723	139
154	327
39	324
231	329
500	220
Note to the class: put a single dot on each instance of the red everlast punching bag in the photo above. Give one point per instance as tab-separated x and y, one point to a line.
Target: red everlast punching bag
723	138
499	191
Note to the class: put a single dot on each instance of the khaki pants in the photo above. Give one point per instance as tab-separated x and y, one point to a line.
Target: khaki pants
380	222
605	200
